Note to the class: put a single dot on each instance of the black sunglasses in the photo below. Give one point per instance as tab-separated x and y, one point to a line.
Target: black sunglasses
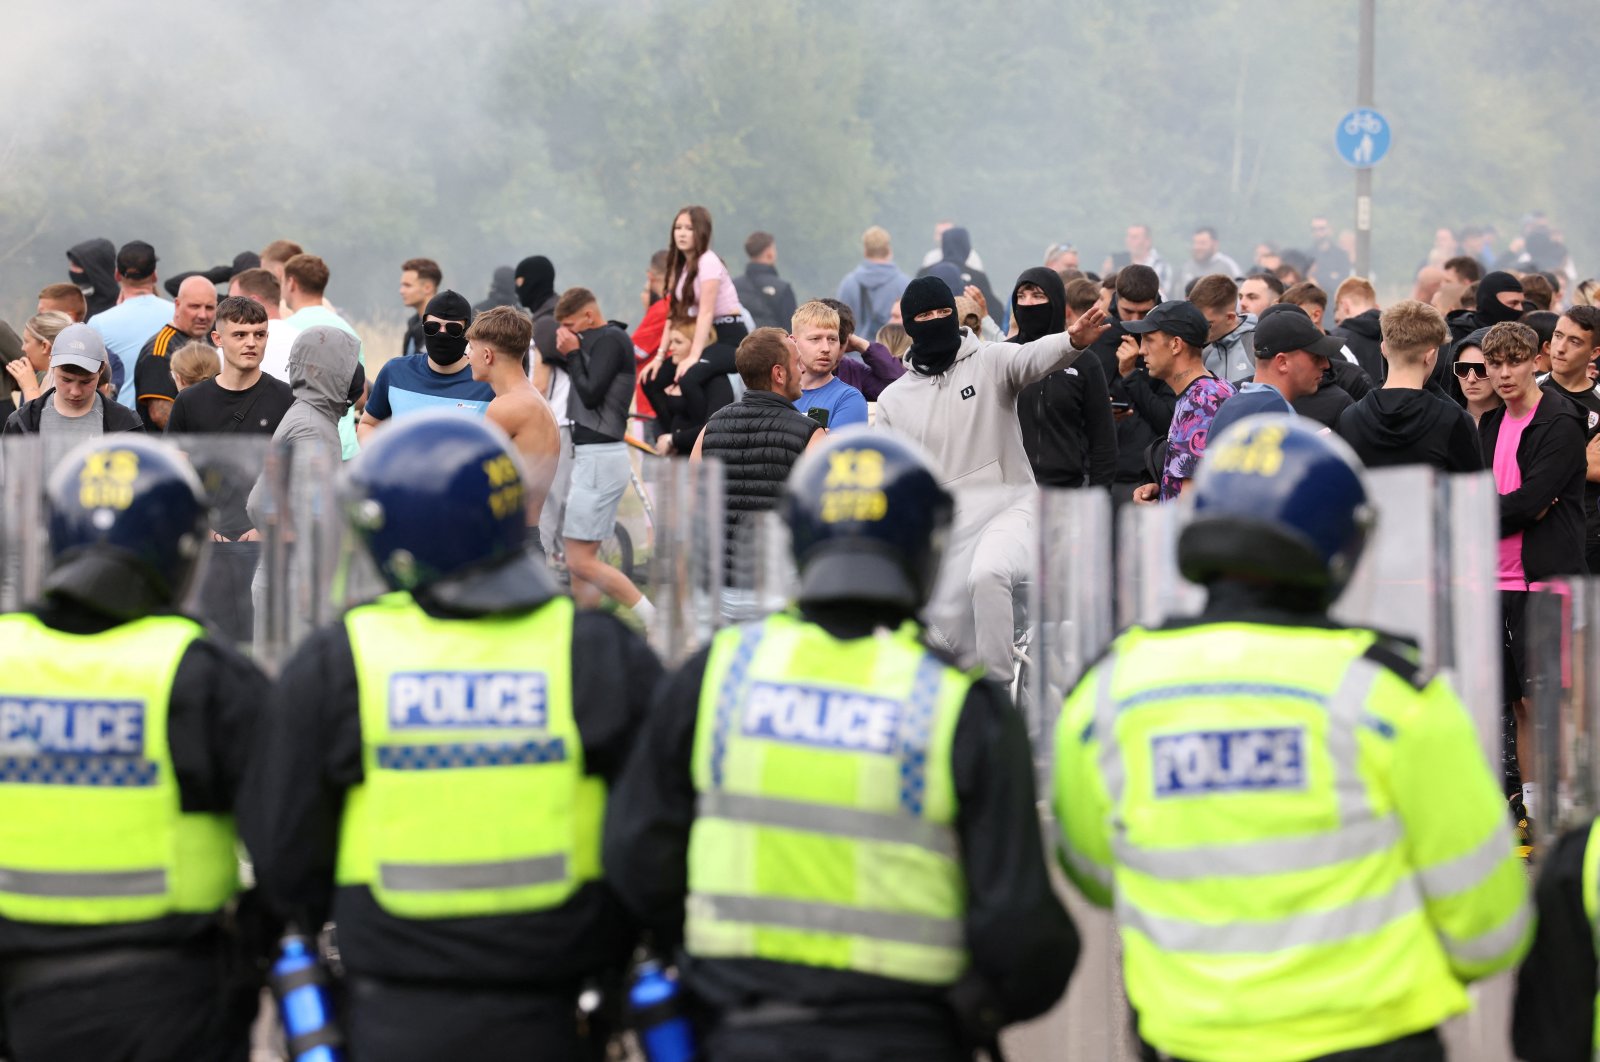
453	329
1465	369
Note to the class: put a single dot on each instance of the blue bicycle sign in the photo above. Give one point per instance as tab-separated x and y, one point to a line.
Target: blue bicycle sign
1362	137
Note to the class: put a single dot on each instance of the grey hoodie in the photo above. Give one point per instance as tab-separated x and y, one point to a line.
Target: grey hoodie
1233	357
870	290
322	364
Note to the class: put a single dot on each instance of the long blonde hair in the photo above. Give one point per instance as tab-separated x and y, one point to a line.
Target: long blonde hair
46	326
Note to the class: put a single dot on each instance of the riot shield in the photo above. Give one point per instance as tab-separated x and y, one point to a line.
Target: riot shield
759	575
308	555
229	467
1149	588
24	551
1563	633
677	513
1068	621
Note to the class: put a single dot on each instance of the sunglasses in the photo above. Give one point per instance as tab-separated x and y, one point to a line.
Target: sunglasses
1465	369
453	329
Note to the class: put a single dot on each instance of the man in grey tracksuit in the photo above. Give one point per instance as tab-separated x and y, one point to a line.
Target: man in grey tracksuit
960	403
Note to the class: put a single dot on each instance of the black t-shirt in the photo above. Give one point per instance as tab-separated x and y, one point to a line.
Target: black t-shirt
1588	402
210	408
152	372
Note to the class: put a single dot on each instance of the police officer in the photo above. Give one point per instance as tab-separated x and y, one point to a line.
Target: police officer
1555	1017
124	730
435	766
835	825
1307	853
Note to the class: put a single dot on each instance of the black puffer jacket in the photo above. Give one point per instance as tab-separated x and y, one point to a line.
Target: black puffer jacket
758	439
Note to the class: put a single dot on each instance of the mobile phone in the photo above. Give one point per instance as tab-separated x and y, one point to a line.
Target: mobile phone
818	414
1121	407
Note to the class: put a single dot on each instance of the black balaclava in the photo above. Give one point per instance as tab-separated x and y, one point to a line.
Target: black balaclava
1047	318
535	280
935	343
1491	311
956	245
444	351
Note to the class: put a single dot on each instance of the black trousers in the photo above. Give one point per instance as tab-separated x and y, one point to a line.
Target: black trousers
173	1007
387	1021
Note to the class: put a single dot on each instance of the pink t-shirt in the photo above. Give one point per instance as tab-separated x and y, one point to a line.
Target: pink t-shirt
1507	478
711	268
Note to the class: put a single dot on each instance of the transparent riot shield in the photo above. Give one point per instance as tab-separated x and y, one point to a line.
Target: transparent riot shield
1068	621
229	466
758	571
308	555
681	552
23	547
1149	588
1563	635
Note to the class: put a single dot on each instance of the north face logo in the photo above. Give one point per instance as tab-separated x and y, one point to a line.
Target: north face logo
968	392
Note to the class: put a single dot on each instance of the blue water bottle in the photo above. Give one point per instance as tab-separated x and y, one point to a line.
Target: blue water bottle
300	983
655	1004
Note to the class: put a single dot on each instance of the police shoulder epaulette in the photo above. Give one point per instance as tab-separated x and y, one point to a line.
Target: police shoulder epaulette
1400	656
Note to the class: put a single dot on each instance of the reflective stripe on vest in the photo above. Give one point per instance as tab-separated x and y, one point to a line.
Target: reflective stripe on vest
91	827
474	799
1591	907
825	827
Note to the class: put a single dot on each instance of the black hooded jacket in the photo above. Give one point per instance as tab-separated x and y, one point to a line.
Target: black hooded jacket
98	258
1405	426
1066	417
502	290
952	269
1362	335
1548	507
1150	401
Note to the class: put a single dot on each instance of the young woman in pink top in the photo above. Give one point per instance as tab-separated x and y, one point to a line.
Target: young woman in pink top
700	288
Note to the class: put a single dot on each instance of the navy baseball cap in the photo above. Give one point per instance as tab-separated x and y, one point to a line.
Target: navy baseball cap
1177	318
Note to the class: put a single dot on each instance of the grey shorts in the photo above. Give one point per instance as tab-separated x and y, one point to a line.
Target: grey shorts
599	476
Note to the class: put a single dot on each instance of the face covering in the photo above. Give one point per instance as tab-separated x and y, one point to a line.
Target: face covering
1491	311
535	280
445	350
1032	321
81	280
935	343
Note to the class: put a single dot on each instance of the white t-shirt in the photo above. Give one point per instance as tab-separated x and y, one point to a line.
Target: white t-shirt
560	387
280	338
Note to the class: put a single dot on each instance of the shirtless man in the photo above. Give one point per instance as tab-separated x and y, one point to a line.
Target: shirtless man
497	341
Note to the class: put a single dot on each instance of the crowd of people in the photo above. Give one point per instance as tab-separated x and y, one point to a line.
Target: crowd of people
1000	391
901	427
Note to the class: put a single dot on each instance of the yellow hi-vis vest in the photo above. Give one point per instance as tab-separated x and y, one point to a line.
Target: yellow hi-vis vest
91	826
824	834
474	799
1591	907
1307	853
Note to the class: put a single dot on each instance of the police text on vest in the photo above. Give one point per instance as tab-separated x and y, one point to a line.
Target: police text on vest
835	719
467	699
39	725
1216	761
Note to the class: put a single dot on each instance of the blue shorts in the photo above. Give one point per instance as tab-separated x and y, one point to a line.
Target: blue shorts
600	474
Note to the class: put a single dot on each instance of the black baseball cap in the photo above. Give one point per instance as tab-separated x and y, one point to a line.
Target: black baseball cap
1177	318
1285	328
136	260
